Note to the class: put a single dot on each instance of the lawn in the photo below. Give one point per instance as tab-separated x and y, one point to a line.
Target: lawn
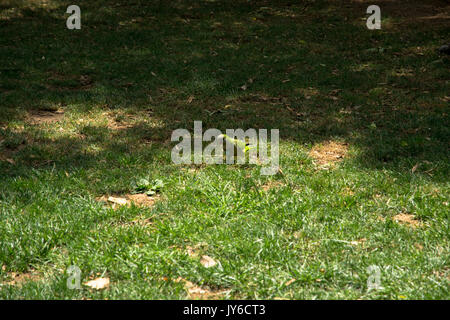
87	114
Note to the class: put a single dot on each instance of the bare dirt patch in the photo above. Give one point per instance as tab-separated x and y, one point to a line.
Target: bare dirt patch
271	185
63	82
407	219
19	279
347	192
201	293
140	199
7	153
329	152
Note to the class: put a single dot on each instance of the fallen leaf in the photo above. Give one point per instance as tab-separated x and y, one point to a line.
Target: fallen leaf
99	283
414	168
207	262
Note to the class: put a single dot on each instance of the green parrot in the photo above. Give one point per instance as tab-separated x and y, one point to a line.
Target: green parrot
244	146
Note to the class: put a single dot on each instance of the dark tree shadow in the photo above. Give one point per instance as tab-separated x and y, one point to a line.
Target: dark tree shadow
307	68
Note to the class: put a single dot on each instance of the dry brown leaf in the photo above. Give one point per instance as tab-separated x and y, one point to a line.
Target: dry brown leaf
99	283
207	262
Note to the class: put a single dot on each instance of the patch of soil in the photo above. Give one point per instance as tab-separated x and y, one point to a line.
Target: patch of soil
7	154
62	82
329	152
140	199
19	279
44	116
407	219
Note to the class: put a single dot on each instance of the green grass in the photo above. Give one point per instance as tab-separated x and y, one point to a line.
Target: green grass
137	70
